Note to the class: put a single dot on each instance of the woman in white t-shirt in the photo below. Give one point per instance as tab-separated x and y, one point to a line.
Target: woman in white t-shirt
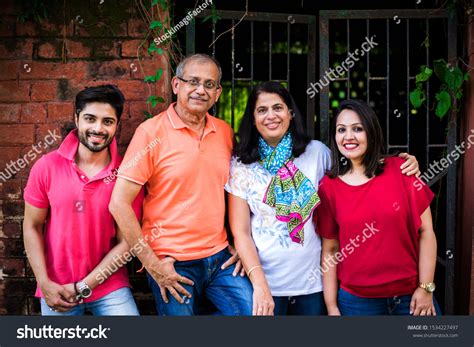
274	176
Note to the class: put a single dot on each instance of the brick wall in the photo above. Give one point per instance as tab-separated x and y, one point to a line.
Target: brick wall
43	66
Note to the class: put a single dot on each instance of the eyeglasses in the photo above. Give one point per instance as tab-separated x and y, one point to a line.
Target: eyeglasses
194	82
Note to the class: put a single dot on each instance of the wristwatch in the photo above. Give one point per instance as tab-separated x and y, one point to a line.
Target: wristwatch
429	286
84	291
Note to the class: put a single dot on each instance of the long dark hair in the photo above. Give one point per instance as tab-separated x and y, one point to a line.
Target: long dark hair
247	147
375	142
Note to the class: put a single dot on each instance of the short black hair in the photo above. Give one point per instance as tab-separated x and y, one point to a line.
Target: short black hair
106	93
247	147
375	142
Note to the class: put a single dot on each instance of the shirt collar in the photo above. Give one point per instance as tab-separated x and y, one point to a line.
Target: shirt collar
68	148
178	123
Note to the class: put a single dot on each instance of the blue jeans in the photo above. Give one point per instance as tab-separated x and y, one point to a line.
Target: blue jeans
352	305
120	302
307	305
232	296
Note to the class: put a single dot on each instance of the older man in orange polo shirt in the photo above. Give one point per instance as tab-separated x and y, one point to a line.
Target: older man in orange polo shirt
184	172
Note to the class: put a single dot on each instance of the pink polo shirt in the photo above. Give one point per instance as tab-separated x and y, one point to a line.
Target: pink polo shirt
79	228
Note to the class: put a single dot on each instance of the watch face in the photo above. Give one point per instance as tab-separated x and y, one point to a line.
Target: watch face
431	287
86	292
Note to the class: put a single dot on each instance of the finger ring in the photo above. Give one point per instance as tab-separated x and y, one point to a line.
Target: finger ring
52	309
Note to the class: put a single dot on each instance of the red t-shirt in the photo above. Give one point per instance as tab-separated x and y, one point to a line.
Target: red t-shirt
377	226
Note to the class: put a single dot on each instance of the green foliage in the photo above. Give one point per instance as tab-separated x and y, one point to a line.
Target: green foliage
33	10
153	100
214	16
452	80
155	78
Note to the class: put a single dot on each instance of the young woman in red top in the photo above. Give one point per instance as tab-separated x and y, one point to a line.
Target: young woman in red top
378	237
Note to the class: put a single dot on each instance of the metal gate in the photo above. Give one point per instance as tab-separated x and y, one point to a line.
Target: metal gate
442	24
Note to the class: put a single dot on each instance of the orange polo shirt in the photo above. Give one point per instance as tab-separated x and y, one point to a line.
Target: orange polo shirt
183	212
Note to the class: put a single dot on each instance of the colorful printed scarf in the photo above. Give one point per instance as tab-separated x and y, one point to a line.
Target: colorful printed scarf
290	191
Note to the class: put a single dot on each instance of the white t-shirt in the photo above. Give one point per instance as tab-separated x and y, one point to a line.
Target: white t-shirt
290	268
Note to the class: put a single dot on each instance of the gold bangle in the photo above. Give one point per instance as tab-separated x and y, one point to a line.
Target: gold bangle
253	268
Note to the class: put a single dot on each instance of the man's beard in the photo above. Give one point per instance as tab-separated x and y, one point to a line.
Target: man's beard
84	139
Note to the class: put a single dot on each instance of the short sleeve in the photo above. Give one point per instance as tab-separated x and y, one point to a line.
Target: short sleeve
36	190
138	164
238	181
419	198
326	153
326	225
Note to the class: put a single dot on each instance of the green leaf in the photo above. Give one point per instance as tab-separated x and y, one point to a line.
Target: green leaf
424	75
160	99
152	48
149	79
454	78
156	24
466	76
160	50
154	2
148	115
163	4
444	103
440	68
153	100
417	97
158	74
459	94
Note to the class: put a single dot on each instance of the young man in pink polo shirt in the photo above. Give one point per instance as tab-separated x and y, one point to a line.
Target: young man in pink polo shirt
70	237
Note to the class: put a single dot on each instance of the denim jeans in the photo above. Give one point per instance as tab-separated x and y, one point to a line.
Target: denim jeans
352	305
300	305
232	296
120	302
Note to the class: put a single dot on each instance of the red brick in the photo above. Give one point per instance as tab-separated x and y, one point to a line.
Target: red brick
44	29
76	49
9	113
13	209
130	48
133	90
41	132
16	48
127	129
33	113
110	69
17	134
49	50
14	92
100	29
136	28
44	91
106	49
19	287
7	154
12	229
60	112
12	189
76	70
136	110
9	69
7	26
13	267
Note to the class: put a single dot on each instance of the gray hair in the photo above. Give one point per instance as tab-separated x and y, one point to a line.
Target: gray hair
202	58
